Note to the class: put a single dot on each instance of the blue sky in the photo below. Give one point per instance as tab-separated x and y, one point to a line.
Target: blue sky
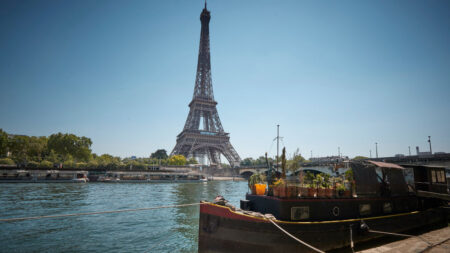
331	73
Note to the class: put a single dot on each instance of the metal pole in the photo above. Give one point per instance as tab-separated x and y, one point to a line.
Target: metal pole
370	152
339	152
409	149
278	143
429	140
376	149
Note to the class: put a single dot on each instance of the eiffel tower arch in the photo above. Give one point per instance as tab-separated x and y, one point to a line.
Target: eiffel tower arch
203	134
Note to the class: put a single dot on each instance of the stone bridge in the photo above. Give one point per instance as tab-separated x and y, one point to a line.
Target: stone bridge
246	172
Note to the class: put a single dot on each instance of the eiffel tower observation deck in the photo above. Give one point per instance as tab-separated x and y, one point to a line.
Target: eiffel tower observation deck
203	135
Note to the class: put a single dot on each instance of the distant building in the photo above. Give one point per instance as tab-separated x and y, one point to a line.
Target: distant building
329	159
422	153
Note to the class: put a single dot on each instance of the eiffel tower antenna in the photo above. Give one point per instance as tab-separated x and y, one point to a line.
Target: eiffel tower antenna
203	134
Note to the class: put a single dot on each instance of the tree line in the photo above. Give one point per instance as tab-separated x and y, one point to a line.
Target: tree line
73	151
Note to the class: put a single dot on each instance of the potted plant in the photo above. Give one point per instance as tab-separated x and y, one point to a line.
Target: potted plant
291	191
311	186
312	190
282	190
277	185
327	185
320	185
256	180
340	189
304	190
349	178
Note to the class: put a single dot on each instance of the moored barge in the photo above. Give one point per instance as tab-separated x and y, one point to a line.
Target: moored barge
381	200
43	176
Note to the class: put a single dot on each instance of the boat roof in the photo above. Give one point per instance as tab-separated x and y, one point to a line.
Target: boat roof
386	165
424	165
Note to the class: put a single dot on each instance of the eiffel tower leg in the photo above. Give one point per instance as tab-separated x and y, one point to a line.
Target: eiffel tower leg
231	155
215	155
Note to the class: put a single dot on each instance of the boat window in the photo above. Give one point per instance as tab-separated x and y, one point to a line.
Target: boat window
300	212
433	176
364	209
387	207
366	180
409	176
438	176
397	182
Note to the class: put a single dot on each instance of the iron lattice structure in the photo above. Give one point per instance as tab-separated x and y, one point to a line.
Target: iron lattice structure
208	140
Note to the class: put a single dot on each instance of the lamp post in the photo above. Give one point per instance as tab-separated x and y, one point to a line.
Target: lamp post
339	152
376	149
429	141
409	149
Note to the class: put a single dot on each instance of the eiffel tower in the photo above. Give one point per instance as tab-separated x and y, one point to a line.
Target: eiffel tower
210	139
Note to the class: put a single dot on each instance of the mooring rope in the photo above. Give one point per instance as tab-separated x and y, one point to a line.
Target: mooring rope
295	238
434	245
93	213
401	235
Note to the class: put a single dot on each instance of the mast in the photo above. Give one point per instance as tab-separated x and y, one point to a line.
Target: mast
278	144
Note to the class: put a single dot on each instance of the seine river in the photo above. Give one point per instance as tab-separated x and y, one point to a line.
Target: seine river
161	230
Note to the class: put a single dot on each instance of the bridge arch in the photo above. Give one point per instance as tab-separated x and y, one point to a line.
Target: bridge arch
247	173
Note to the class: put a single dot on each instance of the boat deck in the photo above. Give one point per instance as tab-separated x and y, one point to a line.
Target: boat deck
440	240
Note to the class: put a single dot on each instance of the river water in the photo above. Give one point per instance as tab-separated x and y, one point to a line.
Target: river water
161	230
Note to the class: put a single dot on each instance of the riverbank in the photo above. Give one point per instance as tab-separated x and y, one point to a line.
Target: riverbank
70	176
226	178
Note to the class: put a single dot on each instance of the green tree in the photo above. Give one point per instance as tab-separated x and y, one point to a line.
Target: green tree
46	164
107	161
3	143
70	144
360	158
294	163
18	145
192	161
69	162
247	161
53	157
6	161
177	160
37	148
159	154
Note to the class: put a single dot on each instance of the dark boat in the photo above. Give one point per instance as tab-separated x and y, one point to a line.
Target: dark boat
382	200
